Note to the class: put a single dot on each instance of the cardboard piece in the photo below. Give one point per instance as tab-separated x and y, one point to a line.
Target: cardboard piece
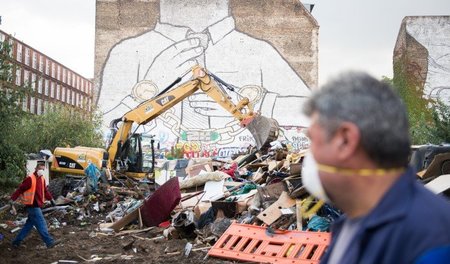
440	184
201	208
213	189
295	168
195	169
273	212
158	206
271	192
242	205
273	164
258	175
191	201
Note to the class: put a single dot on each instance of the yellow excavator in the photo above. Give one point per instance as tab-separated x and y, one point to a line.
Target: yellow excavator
124	153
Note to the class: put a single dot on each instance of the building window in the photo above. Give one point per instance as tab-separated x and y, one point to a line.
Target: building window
33	81
39	106
27	56
40	85
58	93
52	89
26	77
19	52
46	88
25	104
34	60
53	70
47	67
63	94
64	75
41	63
58	75
32	105
18	77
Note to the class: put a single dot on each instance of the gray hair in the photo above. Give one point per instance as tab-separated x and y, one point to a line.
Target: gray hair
373	107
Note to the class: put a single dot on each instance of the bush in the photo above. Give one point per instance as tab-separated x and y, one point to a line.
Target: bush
60	127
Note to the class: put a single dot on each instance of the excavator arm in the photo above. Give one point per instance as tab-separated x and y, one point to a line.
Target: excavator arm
263	129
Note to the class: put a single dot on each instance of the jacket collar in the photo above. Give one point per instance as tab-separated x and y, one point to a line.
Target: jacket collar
395	203
216	31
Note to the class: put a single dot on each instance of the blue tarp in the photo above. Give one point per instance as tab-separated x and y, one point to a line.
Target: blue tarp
93	174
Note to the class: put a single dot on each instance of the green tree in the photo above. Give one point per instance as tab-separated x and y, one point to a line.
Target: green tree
12	158
60	126
429	120
440	131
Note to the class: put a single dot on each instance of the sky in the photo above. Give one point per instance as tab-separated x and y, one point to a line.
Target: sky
353	34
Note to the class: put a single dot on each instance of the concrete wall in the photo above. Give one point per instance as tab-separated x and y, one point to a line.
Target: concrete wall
267	49
422	52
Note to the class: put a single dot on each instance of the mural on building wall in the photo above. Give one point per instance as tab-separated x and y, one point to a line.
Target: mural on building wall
434	34
202	32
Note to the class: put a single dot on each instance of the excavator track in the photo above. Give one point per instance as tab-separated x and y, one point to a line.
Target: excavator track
264	131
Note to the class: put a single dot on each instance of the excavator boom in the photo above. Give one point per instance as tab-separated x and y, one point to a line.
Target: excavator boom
263	129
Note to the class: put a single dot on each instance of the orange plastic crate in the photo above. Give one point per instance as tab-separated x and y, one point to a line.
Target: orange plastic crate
251	243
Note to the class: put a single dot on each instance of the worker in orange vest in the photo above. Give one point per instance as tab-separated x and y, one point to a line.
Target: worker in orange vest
32	193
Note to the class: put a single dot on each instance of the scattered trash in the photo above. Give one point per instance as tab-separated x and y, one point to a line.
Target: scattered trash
16	229
188	249
201	204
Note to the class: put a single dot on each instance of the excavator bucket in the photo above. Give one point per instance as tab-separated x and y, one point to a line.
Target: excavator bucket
264	131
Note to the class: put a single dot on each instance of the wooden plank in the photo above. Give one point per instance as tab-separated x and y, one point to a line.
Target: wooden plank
273	212
118	225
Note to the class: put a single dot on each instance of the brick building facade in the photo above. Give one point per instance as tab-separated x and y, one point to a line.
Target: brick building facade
51	82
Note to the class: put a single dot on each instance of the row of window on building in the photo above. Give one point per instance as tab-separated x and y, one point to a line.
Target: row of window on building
51	88
36	105
51	81
45	65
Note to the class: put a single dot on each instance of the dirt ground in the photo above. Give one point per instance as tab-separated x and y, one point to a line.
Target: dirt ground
82	242
79	246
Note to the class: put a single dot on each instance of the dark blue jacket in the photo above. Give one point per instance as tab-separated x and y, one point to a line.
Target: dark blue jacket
407	222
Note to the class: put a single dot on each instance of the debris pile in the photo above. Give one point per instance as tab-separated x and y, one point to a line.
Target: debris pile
203	202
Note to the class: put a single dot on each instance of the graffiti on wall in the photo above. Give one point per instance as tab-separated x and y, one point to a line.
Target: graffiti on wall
201	32
434	34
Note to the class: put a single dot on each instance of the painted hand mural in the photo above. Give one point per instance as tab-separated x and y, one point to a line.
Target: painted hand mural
201	32
434	35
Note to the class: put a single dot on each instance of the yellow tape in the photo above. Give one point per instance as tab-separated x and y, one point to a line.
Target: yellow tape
360	172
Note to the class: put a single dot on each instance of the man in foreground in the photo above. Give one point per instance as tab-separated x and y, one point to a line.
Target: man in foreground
32	193
359	162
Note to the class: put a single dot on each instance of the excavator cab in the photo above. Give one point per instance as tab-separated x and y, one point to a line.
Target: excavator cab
131	154
135	157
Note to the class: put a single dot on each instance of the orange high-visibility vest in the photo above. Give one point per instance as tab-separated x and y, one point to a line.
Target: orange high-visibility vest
27	198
